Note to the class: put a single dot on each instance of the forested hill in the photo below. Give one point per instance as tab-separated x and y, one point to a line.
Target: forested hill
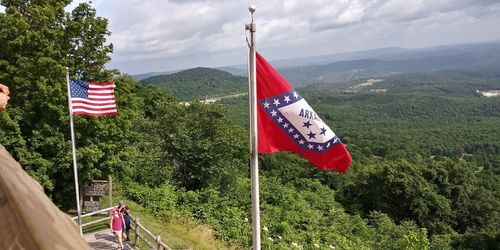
445	82
199	83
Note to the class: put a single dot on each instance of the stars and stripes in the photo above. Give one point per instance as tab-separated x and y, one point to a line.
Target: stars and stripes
92	98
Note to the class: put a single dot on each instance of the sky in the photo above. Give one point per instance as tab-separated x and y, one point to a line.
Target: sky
163	35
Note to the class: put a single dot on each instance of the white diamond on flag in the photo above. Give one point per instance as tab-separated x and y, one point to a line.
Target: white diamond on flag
295	115
300	114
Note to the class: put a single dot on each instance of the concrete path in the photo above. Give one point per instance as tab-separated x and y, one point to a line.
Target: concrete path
104	240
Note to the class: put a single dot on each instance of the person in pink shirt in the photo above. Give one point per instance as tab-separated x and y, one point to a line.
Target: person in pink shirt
116	223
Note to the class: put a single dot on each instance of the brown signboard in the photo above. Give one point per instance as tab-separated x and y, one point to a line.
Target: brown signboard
96	189
92	206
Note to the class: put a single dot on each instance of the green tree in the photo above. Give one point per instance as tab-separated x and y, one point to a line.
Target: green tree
400	190
196	142
39	40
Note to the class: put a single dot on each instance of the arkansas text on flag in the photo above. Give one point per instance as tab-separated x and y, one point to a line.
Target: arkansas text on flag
286	122
92	98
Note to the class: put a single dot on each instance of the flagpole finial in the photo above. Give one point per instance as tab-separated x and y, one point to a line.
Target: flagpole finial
251	26
252	8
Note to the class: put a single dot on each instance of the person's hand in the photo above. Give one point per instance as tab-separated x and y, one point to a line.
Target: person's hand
4	89
4	97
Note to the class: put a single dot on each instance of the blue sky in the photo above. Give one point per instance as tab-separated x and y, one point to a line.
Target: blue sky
161	35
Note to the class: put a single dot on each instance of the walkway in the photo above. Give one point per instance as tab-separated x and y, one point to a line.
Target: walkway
103	240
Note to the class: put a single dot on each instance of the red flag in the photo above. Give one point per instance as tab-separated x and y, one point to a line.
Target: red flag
287	123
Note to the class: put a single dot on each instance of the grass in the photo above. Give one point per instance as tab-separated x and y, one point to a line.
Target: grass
177	235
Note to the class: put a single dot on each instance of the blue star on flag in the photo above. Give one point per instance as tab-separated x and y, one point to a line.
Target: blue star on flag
311	135
323	131
307	124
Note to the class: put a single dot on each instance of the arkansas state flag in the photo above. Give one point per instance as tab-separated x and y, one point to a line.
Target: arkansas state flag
287	123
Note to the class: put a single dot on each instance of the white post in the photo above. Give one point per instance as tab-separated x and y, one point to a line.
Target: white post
73	147
254	160
110	190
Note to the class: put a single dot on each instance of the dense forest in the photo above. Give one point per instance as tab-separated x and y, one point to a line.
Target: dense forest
425	172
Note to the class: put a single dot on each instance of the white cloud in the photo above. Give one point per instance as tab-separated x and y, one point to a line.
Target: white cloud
158	35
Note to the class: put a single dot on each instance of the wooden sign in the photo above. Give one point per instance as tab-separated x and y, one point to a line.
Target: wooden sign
96	189
92	206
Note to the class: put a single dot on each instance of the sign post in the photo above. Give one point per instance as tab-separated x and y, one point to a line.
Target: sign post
96	189
110	190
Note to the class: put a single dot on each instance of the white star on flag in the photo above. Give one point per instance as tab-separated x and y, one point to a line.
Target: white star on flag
266	105
287	99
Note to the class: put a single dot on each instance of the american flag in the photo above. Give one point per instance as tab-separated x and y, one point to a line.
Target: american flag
92	98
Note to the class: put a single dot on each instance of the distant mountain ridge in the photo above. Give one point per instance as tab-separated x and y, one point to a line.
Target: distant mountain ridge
388	53
337	57
344	70
345	73
234	71
199	83
143	76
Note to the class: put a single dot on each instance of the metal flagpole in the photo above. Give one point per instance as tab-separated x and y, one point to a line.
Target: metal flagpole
73	147
254	160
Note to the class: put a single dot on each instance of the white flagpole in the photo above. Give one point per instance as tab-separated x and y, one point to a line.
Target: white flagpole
73	147
254	160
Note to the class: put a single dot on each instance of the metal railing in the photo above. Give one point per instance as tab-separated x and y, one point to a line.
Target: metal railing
140	232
